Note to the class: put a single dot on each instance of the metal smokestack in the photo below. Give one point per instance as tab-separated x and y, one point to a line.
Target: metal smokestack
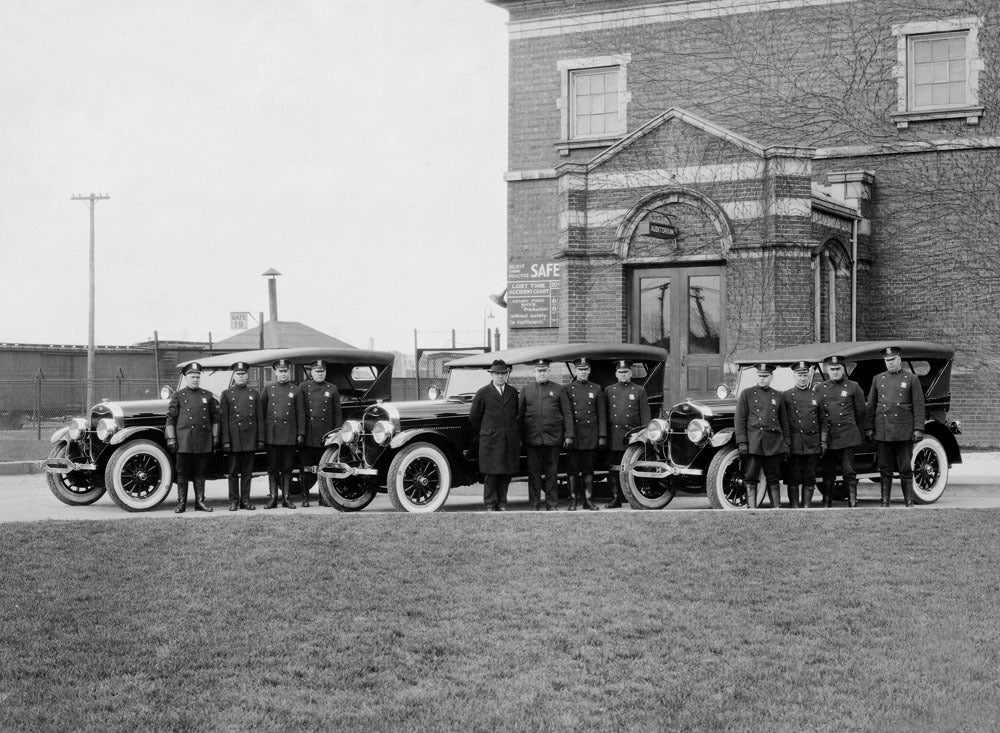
272	293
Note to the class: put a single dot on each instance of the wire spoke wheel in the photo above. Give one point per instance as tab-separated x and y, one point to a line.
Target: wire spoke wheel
419	478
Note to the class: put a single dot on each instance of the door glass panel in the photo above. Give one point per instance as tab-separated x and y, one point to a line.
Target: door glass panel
704	311
654	311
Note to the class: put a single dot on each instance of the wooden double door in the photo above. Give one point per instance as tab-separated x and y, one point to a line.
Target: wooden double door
682	310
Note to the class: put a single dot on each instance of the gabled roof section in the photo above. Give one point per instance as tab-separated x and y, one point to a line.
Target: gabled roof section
280	334
688	118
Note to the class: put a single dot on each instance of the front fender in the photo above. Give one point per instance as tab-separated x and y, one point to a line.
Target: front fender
60	436
408	436
722	437
144	431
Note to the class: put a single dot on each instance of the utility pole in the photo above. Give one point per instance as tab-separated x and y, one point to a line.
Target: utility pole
92	198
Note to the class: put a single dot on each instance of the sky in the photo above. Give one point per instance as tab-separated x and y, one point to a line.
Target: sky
355	146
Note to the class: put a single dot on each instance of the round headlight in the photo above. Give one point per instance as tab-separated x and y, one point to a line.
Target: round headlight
698	430
382	431
350	431
106	427
165	392
722	391
657	430
433	392
77	426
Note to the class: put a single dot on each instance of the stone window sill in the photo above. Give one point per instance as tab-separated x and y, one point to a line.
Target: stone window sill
565	146
971	115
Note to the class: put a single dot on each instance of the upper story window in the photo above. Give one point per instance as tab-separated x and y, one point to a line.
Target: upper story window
937	71
593	101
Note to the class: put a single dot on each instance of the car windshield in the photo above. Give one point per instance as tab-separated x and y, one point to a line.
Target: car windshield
784	378
464	383
215	381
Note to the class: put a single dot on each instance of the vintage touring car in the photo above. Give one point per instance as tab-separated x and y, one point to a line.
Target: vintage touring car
418	451
121	447
692	448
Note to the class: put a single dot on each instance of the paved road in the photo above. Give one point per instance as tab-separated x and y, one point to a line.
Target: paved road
26	498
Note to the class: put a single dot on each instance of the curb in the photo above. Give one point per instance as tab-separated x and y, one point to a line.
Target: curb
15	468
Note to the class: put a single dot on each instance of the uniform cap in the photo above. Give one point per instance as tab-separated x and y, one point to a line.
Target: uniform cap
318	364
192	368
540	363
764	367
890	351
240	366
623	364
583	361
835	359
499	366
281	364
801	366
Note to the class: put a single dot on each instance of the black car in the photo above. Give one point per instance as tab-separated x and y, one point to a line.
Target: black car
693	449
121	447
418	451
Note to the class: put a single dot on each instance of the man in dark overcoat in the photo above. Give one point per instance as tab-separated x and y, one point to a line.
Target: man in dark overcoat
762	436
590	430
319	413
896	422
627	407
546	426
495	421
844	406
805	429
242	418
192	432
281	422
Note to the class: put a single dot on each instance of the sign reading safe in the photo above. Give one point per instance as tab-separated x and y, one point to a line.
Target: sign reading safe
533	294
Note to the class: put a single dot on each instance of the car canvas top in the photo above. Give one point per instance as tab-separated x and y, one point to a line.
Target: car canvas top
265	357
856	350
562	352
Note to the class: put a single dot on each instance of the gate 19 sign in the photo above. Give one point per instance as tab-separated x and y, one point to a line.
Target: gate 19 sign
533	294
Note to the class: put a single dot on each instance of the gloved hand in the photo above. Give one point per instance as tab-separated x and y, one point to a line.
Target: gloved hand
869	435
172	445
743	449
822	447
300	440
602	442
216	442
227	447
568	443
787	455
261	445
918	435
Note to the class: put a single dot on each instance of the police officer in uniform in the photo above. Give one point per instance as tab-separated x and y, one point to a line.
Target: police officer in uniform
805	428
242	417
762	436
495	423
319	413
546	424
192	432
627	407
895	421
281	421
590	430
843	404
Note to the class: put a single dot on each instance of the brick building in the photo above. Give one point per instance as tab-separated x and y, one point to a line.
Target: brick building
723	176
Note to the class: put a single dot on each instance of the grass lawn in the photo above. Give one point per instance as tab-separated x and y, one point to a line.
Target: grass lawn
790	621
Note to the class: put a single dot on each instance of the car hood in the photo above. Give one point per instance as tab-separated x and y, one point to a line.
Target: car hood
132	408
714	408
426	409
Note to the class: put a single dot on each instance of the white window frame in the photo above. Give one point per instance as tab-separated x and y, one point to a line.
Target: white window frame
567	68
906	33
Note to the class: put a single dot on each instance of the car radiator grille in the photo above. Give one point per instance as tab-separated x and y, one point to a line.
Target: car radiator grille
682	450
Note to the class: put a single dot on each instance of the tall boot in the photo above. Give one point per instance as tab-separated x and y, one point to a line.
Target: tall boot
245	493
907	491
852	492
751	489
828	492
234	493
199	496
304	485
588	493
272	487
774	494
886	489
807	495
793	496
574	491
617	497
182	497
286	489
